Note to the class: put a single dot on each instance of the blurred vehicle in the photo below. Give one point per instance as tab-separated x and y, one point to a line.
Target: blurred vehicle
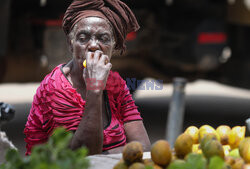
6	114
191	38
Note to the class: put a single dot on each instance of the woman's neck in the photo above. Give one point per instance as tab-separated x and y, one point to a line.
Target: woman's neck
74	74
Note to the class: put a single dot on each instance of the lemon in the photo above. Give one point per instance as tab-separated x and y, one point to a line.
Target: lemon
194	133
235	136
226	149
206	129
244	149
223	131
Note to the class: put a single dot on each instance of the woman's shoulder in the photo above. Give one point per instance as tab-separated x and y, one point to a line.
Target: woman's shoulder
55	80
54	77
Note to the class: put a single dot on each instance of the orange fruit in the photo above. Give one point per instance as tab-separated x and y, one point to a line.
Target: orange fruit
121	165
161	152
137	165
155	166
238	164
183	145
132	152
148	161
229	160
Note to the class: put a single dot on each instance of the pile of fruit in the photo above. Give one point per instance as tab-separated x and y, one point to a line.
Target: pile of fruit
203	148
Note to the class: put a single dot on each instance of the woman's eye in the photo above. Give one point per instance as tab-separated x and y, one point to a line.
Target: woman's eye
105	38
82	38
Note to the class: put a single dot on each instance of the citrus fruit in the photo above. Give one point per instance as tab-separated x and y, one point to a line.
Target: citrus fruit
155	166
235	136
229	160
196	148
194	132
238	164
213	148
132	152
234	153
226	149
148	161
223	131
244	149
120	165
206	138
183	145
137	165
206	129
161	152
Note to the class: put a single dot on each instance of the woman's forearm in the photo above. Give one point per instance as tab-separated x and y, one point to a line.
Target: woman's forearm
90	129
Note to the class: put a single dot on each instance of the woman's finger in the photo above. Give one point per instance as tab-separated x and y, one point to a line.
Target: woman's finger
97	56
104	59
108	66
89	59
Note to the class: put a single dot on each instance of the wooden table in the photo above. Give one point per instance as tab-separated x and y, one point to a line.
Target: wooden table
108	161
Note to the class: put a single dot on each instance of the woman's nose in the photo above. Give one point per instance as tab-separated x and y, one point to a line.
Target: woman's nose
93	46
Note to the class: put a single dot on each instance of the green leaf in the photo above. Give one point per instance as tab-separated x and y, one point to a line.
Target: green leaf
13	158
55	154
149	167
216	162
61	134
2	166
82	152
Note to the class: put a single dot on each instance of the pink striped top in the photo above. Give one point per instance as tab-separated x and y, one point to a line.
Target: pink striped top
57	103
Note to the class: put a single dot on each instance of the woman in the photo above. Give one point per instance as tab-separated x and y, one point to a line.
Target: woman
94	102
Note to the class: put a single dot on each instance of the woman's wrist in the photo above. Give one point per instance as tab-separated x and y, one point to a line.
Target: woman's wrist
94	93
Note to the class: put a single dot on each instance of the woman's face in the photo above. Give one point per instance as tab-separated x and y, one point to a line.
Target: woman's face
91	34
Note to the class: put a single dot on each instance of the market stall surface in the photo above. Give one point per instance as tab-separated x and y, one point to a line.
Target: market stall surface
108	161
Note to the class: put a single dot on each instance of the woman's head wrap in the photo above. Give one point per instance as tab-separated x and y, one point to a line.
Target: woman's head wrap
116	12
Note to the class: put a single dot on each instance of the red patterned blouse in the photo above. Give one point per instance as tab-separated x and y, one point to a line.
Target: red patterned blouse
57	103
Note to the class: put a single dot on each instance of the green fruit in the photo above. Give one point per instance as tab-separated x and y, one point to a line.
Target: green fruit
213	148
206	138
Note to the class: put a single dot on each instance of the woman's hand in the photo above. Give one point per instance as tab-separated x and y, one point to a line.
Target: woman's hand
97	70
